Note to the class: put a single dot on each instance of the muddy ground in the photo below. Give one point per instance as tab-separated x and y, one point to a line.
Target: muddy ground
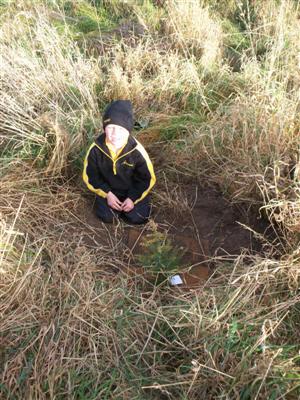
204	226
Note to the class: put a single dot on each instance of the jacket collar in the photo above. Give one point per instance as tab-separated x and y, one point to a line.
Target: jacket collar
130	145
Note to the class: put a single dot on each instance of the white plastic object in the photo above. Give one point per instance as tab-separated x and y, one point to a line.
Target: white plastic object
175	280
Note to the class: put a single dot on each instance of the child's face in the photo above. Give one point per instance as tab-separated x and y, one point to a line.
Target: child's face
116	135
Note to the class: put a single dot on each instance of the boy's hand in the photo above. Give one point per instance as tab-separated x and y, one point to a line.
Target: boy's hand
127	205
113	201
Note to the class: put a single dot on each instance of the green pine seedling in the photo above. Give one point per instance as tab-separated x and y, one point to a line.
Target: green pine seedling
160	257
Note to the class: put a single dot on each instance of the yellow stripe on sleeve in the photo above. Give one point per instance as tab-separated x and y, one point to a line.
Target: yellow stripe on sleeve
85	177
144	153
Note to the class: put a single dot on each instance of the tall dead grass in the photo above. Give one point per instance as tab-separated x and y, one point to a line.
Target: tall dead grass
193	30
47	91
152	77
49	103
70	328
251	143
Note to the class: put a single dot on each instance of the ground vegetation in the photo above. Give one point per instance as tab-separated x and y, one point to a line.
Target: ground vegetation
215	87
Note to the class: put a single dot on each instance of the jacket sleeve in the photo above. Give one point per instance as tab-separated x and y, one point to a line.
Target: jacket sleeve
92	176
144	176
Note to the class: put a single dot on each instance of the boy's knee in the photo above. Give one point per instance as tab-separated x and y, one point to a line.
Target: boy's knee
135	219
107	219
103	211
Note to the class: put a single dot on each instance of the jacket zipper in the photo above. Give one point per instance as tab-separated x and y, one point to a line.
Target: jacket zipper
115	161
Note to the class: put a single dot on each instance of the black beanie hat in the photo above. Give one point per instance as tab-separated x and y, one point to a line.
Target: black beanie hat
120	113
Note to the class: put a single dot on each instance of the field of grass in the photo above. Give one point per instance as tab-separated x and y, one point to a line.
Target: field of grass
217	83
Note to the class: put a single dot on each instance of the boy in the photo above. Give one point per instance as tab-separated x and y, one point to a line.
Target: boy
118	169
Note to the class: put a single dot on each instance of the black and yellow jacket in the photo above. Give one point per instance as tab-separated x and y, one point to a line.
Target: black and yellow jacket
130	174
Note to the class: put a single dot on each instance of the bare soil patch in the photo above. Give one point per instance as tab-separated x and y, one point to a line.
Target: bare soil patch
206	229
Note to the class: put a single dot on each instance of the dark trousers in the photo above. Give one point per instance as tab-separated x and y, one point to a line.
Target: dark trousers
138	215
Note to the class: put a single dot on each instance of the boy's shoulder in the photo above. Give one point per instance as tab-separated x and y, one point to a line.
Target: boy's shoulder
141	149
100	140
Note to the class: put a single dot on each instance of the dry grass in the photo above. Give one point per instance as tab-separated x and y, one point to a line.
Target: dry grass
192	29
47	90
251	143
72	328
151	76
